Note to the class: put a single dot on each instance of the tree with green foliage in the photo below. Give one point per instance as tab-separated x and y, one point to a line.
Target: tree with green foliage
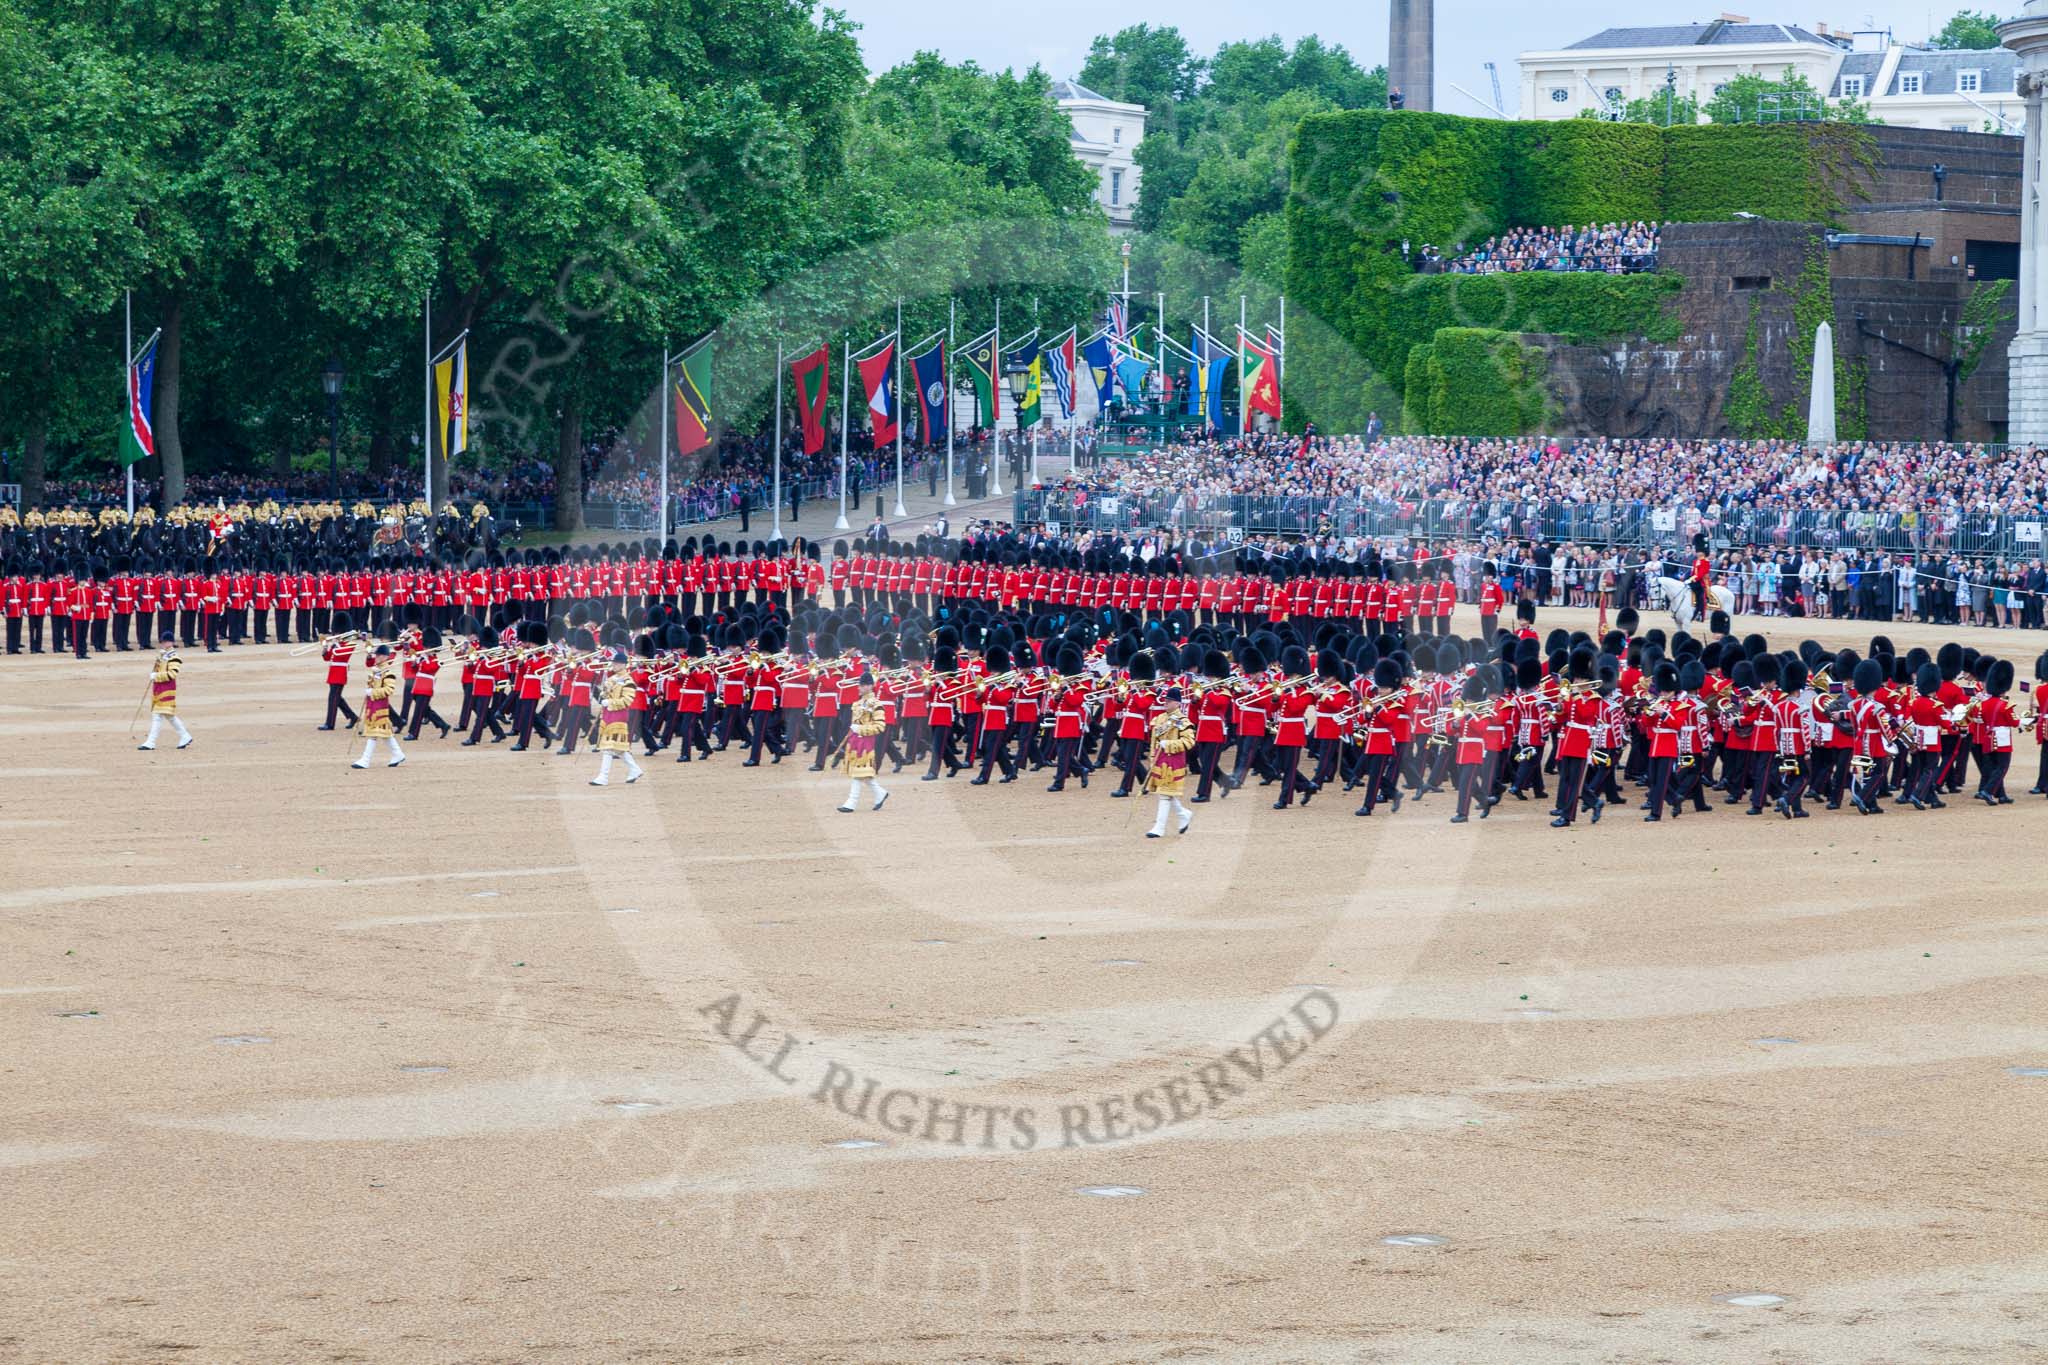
1740	100
1967	31
1676	112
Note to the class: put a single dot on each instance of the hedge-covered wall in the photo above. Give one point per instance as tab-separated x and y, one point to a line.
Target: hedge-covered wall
1364	182
1586	171
1475	381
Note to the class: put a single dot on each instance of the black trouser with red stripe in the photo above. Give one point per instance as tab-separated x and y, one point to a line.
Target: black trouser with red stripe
1571	775
1995	763
337	702
1206	756
1466	775
1660	783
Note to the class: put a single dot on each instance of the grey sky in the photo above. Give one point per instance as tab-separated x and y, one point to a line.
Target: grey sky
1055	33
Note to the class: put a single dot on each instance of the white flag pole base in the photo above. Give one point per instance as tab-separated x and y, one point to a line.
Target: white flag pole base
951	501
841	524
901	510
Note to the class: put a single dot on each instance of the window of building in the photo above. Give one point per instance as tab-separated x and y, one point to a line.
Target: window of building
1558	94
1116	187
1909	82
1969	82
1852	87
1612	94
1959	127
1116	134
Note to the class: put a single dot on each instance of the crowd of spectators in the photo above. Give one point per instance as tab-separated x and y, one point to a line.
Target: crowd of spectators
1610	248
1764	491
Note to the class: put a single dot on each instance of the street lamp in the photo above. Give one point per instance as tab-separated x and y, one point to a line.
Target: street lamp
330	382
1020	381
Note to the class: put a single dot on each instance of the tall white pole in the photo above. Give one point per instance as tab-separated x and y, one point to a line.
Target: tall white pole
1039	363
1243	410
1280	364
775	488
1202	359
427	415
896	369
127	398
995	393
1161	340
950	304
845	416
661	401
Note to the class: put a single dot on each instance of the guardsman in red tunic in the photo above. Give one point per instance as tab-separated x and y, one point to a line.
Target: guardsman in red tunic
1870	726
14	603
426	666
336	654
998	695
1069	702
1578	714
1134	720
1467	730
1995	714
124	604
764	704
1293	713
1380	718
942	689
693	701
1211	715
82	596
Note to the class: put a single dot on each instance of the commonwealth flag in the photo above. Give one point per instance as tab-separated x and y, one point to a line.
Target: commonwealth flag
451	397
1059	360
1024	360
693	398
933	402
981	373
813	376
878	381
138	434
1095	352
1261	378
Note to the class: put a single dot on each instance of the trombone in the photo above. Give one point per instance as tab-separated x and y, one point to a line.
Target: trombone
324	641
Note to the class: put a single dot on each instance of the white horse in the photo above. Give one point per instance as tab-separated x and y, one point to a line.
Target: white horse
1675	596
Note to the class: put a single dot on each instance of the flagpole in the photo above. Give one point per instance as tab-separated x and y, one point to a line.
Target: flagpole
775	490
1244	410
427	413
661	400
1037	363
1161	296
845	416
127	388
995	397
950	303
896	366
1280	366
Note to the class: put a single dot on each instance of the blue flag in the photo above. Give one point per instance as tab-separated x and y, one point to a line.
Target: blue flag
1212	380
1095	354
933	402
1130	377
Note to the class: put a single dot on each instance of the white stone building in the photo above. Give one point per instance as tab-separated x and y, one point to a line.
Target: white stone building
1105	134
1905	86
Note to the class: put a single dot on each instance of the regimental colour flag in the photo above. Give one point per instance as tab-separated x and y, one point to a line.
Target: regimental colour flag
878	382
1059	362
1261	378
981	373
693	398
812	375
933	402
138	433
451	397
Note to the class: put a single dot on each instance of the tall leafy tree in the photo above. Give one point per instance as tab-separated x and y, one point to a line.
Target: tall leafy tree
1967	30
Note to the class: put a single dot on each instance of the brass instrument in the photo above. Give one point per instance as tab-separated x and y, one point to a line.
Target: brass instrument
324	641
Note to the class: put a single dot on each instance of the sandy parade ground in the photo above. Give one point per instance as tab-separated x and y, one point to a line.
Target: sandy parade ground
470	1061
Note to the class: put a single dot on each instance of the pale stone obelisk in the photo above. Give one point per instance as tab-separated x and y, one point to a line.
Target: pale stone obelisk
2027	400
1820	408
1411	51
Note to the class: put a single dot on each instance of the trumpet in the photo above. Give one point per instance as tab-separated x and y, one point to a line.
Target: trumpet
326	640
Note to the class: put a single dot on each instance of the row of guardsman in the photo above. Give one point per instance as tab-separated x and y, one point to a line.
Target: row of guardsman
1298	704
